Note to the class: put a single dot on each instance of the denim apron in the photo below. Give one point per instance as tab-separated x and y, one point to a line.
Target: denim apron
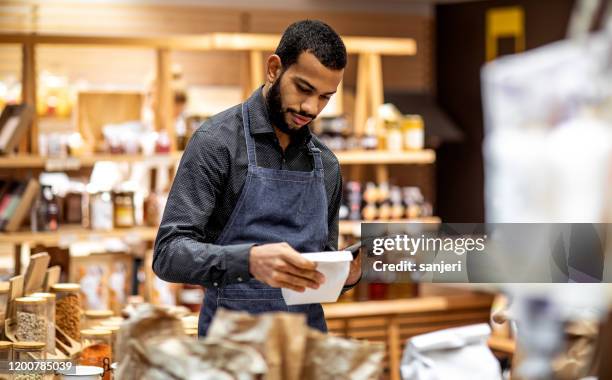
274	206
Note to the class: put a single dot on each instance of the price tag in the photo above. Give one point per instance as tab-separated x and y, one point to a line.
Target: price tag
62	164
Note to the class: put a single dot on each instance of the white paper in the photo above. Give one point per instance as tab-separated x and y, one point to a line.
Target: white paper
335	268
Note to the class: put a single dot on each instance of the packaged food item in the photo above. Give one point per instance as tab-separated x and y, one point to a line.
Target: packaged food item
124	209
397	207
50	308
97	349
68	308
29	352
101	214
354	200
395	140
31	316
413	130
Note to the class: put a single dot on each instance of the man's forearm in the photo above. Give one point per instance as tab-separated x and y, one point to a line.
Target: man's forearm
186	260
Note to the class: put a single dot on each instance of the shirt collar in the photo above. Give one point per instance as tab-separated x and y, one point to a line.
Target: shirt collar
259	122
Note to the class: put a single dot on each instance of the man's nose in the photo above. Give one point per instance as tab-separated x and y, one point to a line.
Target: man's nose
310	106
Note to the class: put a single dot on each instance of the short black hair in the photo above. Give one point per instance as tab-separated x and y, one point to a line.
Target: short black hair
315	37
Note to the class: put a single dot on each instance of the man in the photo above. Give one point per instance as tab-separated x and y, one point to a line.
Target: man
254	188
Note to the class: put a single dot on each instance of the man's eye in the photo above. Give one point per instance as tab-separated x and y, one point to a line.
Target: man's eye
304	89
326	98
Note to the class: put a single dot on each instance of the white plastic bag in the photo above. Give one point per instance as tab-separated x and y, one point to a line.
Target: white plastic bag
459	353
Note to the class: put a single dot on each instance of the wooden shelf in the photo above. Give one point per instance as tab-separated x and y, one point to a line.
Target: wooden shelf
210	41
22	161
73	163
69	234
352	227
373	157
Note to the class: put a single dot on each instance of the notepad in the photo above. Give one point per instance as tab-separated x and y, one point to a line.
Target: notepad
335	267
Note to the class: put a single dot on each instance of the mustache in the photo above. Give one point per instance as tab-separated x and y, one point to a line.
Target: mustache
304	114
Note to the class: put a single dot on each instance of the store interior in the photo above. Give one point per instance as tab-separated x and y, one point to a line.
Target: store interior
100	99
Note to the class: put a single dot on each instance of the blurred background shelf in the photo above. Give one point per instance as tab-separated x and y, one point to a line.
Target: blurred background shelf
66	163
353	227
425	156
375	157
71	233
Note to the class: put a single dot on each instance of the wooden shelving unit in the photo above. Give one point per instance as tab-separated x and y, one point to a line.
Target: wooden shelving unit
353	227
374	157
381	157
393	322
68	234
23	161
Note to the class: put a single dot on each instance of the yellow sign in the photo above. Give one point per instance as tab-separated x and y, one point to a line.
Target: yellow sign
504	22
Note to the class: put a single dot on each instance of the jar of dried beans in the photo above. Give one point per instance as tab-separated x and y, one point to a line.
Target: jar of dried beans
68	309
29	352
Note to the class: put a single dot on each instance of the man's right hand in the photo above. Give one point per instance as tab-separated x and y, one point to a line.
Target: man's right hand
281	266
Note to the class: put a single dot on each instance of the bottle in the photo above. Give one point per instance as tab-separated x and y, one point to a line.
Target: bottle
397	207
354	200
152	203
47	210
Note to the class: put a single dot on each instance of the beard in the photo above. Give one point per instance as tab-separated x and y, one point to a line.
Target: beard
276	113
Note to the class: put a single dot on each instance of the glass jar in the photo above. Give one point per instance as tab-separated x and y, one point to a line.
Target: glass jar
27	352
31	318
50	299
114	329
101	214
68	308
97	349
95	318
124	209
6	355
413	130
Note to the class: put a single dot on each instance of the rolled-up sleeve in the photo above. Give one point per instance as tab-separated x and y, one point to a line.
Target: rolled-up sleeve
181	253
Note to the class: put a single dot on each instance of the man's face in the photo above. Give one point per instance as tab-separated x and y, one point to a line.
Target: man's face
301	92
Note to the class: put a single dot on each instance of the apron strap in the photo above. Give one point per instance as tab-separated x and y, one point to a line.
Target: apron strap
316	156
250	143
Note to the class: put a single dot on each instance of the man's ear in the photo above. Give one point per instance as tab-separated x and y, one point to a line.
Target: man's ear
274	68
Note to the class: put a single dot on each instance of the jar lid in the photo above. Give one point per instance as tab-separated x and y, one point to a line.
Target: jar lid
66	287
4	286
30	300
29	345
4	344
107	327
97	314
43	295
94	332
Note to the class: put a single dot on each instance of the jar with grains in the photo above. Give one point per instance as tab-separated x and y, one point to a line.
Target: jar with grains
27	352
50	298
95	318
68	309
6	355
31	318
97	349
